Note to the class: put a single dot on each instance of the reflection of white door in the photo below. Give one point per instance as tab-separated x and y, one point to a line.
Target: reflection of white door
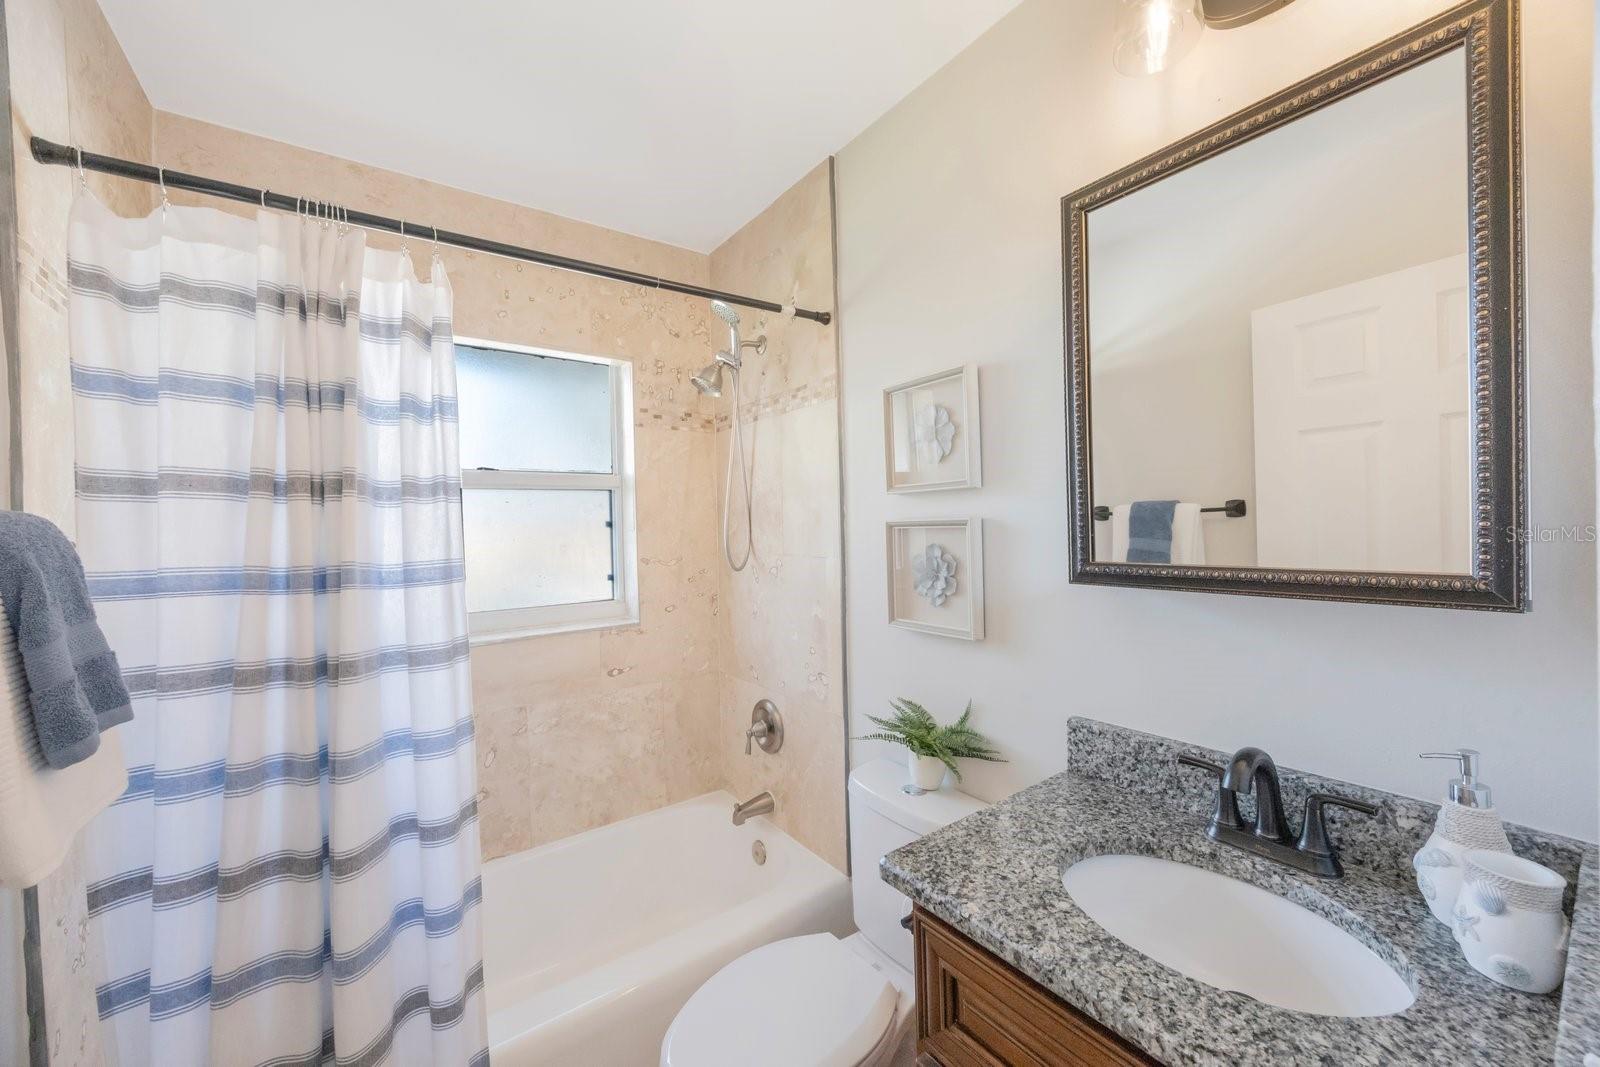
1363	446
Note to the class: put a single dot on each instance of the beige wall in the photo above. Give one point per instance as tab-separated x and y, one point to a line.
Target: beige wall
781	619
950	251
70	83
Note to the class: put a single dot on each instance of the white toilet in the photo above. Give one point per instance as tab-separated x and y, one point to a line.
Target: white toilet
817	1001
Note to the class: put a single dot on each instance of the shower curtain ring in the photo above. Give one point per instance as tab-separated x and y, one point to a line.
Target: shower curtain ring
405	249
436	243
161	176
83	175
263	200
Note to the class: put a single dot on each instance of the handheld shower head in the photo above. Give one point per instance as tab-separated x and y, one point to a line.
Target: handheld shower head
709	382
730	318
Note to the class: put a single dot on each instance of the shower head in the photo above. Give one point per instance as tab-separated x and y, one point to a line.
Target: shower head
709	380
725	312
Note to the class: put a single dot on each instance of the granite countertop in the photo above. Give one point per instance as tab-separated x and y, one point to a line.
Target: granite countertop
996	877
1579	1035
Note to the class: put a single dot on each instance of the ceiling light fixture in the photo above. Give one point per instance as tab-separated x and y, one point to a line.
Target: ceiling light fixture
1154	34
1226	14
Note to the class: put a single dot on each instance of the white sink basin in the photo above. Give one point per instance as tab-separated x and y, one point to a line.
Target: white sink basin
1235	936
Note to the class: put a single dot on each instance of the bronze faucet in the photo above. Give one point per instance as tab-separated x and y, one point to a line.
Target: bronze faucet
1252	771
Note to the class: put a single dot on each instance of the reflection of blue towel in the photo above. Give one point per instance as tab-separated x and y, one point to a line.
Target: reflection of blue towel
1150	531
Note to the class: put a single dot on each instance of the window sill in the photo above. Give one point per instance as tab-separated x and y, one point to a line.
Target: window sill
519	633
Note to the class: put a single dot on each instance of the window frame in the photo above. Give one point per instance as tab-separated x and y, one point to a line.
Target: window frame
509	624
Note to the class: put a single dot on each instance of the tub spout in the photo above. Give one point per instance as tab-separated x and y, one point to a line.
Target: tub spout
760	804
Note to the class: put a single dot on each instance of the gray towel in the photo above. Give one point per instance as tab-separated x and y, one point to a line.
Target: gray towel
1150	531
74	684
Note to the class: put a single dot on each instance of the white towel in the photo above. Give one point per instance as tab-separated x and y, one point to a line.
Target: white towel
1188	537
1119	533
42	809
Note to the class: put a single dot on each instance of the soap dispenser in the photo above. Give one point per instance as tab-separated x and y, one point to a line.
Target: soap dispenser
1467	820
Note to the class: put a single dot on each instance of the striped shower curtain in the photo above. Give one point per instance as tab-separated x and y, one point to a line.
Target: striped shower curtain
268	509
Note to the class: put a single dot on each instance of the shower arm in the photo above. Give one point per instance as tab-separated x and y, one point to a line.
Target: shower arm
51	153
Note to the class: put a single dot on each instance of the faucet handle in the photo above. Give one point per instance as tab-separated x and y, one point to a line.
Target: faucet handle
1226	812
1314	831
757	732
1204	765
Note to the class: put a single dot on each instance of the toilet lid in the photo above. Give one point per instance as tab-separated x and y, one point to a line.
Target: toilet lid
802	1002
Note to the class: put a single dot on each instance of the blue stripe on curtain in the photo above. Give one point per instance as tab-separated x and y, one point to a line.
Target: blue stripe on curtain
180	784
204	483
90	282
291	673
205	581
246	393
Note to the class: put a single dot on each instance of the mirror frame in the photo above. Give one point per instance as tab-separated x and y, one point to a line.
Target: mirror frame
1487	31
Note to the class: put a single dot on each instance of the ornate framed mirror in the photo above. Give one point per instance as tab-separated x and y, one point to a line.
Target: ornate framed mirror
1294	340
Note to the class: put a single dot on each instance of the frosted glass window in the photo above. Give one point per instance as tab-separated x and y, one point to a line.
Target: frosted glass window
521	411
537	547
546	490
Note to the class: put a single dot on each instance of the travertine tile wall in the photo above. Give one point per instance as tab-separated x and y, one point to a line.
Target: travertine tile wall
781	624
71	83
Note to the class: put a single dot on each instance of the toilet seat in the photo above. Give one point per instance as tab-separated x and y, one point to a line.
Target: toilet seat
802	1002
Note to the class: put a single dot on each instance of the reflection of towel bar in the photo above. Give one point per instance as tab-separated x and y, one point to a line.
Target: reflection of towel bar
1233	509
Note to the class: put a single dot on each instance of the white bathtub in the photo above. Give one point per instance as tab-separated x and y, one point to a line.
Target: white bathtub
592	944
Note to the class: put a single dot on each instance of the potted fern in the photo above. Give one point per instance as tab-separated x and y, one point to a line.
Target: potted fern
931	749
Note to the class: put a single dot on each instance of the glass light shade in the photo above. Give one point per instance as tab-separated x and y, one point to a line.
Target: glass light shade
1154	34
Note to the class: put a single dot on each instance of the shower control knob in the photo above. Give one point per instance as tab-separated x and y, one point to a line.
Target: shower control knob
766	728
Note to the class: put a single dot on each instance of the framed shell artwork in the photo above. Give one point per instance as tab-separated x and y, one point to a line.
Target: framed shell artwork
931	433
935	571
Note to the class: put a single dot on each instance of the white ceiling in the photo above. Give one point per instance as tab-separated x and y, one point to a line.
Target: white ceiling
672	119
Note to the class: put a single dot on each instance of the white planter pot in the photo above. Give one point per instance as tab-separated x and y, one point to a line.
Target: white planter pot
1509	923
927	772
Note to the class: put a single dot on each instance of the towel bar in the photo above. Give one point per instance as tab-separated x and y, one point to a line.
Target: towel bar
1233	509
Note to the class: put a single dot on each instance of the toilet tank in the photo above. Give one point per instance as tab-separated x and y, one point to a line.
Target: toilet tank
882	818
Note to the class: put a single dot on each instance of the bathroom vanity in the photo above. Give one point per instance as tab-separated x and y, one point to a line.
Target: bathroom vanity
1011	968
975	1011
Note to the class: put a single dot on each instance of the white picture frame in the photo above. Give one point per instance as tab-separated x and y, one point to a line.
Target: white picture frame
939	607
932	436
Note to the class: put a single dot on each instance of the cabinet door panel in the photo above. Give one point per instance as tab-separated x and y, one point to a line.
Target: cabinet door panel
975	1011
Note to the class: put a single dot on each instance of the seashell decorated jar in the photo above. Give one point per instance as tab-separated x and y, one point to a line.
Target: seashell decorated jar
1509	923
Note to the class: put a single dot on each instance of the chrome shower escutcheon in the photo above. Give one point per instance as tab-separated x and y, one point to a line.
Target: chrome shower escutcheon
766	727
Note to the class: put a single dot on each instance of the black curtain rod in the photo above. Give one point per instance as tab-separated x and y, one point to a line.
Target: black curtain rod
64	155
